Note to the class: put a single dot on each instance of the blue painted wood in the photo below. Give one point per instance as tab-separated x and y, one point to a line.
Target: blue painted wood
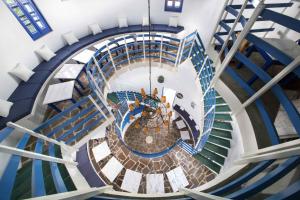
29	16
230	21
242	179
4	133
268	62
273	5
235	13
77	126
267	180
37	179
289	193
284	20
63	113
259	30
276	89
273	136
9	175
56	176
86	129
227	28
86	169
248	53
276	53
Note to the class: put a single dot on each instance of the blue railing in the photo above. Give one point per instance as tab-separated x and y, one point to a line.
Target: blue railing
109	58
205	72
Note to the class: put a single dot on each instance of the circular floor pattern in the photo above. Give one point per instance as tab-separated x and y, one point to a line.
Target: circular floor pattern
149	139
136	138
195	172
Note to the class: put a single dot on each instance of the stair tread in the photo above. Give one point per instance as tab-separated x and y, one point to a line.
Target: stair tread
222	108
213	156
220	150
222	125
225	117
208	163
221	133
219	141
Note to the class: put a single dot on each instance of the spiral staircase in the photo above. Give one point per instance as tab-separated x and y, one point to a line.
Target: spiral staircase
43	164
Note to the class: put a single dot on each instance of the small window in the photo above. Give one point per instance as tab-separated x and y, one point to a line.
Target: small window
29	17
173	5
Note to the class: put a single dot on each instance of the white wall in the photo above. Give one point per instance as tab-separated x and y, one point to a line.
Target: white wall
63	16
181	80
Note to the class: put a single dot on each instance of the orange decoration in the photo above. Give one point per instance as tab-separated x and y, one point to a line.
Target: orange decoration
168	105
143	93
163	99
132	118
137	103
166	123
158	111
144	113
170	114
131	107
137	125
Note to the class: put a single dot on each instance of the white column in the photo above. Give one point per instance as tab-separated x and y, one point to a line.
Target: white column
295	63
181	51
126	48
200	195
280	154
202	67
161	45
274	148
111	58
236	21
144	46
100	96
97	106
217	27
237	43
101	73
77	194
178	52
194	39
33	155
95	83
40	136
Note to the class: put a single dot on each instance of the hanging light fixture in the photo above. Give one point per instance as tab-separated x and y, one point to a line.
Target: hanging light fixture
156	112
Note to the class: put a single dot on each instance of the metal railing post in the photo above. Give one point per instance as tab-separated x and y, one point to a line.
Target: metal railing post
236	21
239	40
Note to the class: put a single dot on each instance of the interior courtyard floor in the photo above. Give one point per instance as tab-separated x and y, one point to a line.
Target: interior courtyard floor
195	172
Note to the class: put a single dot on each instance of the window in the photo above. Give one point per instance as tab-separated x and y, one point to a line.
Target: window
173	5
29	16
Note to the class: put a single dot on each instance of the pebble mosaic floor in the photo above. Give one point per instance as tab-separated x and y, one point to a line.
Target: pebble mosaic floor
196	173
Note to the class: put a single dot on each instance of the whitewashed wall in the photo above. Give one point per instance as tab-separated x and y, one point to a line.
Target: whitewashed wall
63	16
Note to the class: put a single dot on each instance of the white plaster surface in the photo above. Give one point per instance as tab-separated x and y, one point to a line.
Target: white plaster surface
180	124
101	151
59	92
185	135
112	169
131	181
181	80
155	183
69	71
177	179
84	56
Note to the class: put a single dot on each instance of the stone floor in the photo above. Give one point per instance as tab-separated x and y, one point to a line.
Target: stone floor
196	173
135	138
